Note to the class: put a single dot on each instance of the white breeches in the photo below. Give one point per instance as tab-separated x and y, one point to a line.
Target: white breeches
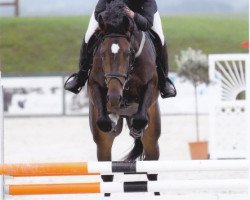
157	27
93	25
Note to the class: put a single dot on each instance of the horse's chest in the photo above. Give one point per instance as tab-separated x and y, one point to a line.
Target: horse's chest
133	88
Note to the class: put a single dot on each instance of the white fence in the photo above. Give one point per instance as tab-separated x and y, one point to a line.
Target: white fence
44	95
228	112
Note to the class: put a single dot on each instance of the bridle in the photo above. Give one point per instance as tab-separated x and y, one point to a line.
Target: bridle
122	78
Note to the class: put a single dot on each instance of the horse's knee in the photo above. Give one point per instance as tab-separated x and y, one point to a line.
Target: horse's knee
104	124
139	122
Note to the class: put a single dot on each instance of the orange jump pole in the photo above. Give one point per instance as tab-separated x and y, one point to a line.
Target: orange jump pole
127	187
97	168
48	189
46	169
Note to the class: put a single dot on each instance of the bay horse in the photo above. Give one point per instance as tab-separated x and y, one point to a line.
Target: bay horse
123	84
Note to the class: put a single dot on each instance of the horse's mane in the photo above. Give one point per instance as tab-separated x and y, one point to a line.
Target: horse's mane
114	16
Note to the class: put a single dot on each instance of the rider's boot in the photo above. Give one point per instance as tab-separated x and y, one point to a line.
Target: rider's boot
77	80
166	87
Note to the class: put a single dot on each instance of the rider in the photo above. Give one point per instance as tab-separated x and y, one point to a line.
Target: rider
146	17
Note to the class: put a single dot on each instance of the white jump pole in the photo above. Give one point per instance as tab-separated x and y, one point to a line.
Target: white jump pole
93	168
1	139
174	165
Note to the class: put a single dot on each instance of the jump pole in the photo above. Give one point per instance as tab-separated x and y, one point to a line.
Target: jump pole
125	187
96	168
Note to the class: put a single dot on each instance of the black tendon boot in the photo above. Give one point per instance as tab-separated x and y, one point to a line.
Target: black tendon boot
77	80
166	87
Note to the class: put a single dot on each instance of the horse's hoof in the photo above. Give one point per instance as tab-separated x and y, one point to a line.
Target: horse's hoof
139	122
104	124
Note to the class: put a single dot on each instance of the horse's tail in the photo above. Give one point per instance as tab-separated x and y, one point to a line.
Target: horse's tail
136	152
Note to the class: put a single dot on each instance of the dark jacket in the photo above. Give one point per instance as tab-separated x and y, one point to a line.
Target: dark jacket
144	11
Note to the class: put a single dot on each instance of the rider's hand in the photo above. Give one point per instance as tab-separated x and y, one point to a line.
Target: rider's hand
129	12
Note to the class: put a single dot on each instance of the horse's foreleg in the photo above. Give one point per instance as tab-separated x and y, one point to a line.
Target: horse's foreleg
104	147
140	119
150	138
98	98
103	142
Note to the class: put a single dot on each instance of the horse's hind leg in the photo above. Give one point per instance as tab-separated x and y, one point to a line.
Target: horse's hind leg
104	142
150	138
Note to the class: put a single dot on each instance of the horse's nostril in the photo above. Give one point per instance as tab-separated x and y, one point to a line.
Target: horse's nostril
114	100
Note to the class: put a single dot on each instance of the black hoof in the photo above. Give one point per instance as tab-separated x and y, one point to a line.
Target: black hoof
104	124
139	122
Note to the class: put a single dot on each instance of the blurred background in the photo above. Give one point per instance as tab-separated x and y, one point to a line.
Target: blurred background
40	42
39	48
78	7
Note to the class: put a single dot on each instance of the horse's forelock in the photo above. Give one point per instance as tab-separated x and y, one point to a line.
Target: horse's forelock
114	16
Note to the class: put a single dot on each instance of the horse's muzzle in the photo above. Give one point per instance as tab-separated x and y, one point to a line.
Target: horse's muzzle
114	100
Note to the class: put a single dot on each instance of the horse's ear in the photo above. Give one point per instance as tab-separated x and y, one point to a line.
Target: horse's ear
101	23
127	24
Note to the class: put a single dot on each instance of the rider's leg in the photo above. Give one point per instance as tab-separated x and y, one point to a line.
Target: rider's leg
166	87
77	80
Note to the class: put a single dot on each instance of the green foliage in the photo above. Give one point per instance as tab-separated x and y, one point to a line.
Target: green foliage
212	34
51	44
41	45
193	66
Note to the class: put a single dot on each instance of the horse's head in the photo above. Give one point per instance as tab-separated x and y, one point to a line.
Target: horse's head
115	50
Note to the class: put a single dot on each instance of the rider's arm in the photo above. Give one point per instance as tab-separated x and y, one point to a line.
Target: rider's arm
145	19
100	7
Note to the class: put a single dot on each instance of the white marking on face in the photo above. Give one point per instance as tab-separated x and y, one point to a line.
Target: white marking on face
115	48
